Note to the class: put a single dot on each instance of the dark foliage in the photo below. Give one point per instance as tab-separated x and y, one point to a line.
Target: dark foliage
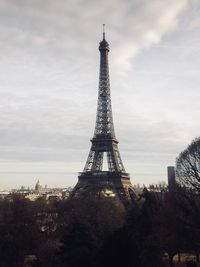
96	231
188	166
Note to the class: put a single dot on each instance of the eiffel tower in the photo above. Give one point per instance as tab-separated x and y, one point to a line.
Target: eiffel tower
115	180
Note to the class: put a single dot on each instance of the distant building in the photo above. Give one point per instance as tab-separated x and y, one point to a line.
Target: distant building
4	194
38	187
171	176
48	194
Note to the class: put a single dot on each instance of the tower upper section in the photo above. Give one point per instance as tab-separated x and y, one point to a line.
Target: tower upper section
104	127
103	45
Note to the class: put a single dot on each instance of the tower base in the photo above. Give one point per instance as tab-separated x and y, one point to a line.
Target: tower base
110	184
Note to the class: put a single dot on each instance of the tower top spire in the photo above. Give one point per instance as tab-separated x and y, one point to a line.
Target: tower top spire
104	31
103	45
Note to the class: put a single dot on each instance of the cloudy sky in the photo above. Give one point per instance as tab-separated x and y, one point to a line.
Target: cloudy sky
49	67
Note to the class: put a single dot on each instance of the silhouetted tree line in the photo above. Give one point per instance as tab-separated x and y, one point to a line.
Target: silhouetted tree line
188	166
96	231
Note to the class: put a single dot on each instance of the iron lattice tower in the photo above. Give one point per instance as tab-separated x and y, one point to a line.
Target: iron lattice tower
104	142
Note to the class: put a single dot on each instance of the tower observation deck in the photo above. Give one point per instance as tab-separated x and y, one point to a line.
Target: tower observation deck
104	141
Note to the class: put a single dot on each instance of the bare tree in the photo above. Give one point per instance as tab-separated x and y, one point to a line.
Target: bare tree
188	165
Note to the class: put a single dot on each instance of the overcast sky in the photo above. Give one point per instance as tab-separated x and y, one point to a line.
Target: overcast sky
49	68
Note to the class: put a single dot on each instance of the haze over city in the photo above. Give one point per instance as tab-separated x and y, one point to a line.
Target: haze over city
49	69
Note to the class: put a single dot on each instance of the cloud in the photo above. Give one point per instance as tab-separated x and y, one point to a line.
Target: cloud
73	27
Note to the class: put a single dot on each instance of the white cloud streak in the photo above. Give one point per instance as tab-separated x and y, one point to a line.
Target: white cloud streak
72	27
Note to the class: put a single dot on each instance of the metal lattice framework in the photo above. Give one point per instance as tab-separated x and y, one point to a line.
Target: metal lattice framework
104	142
104	135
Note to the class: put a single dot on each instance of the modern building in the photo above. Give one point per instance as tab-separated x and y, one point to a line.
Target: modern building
171	174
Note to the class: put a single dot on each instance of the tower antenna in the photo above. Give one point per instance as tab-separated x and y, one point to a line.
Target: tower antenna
104	31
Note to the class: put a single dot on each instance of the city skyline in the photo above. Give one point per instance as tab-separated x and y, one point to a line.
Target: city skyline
49	84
